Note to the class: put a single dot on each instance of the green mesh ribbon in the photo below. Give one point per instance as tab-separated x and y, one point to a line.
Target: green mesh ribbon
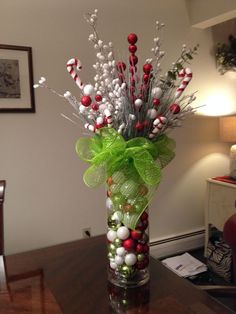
139	159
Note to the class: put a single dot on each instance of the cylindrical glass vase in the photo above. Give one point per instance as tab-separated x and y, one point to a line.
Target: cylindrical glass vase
127	234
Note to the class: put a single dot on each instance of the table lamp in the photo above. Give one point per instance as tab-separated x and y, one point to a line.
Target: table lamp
228	134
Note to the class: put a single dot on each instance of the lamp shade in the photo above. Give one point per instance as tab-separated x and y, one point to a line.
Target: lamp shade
228	129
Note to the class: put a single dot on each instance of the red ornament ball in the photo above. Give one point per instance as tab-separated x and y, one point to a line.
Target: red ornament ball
147	68
132	48
139	126
145	248
139	248
86	101
136	234
175	108
144	216
146	78
156	102
95	107
128	244
121	66
98	97
132	38
133	60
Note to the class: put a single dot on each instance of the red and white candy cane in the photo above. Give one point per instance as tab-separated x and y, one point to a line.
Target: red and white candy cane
71	65
187	75
158	124
91	128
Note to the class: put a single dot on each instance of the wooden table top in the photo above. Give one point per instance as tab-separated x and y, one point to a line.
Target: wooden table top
71	278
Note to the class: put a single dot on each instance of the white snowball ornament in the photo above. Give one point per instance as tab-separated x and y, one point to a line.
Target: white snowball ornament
138	103
130	259
157	92
88	90
109	204
123	233
111	235
120	251
119	260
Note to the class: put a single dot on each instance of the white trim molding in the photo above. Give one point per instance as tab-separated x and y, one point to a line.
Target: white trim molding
175	244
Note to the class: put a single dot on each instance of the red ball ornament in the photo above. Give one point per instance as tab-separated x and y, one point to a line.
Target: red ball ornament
132	38
128	244
139	248
146	78
133	60
144	216
145	248
136	234
98	97
156	102
175	108
132	48
99	126
121	66
86	101
139	126
147	68
95	107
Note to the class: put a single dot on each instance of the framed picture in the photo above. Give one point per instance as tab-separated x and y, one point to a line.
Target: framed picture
16	79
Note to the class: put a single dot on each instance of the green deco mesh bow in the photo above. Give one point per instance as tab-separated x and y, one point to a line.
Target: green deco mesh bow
139	160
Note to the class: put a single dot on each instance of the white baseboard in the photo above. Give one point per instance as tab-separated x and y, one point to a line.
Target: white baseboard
176	244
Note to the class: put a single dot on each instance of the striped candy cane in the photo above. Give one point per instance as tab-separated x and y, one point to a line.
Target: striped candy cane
71	65
109	118
186	74
158	124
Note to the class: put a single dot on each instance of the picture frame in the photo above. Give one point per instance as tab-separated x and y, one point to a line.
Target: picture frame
16	79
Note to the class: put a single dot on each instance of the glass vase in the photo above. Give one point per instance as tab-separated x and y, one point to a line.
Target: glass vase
128	233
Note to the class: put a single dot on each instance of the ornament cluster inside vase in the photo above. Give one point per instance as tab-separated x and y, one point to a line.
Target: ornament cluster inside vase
127	235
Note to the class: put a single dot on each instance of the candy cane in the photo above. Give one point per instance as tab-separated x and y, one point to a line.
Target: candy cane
71	64
91	128
158	124
186	74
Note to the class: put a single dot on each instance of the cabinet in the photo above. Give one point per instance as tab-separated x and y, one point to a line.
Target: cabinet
220	205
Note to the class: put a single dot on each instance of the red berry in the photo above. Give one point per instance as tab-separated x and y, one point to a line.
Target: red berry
156	101
99	126
136	234
86	101
132	69
132	81
121	66
132	38
133	60
128	244
139	126
175	108
132	48
98	97
95	107
147	68
145	78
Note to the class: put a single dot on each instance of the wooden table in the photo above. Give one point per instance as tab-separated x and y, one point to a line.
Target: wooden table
71	278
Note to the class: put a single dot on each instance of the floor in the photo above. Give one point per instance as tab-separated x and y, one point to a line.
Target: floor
210	278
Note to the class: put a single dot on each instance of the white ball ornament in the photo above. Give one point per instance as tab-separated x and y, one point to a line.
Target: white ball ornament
138	103
123	233
152	113
88	90
111	235
113	265
109	204
130	259
119	260
120	251
157	92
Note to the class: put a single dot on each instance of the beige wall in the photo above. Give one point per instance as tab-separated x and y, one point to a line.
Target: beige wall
46	200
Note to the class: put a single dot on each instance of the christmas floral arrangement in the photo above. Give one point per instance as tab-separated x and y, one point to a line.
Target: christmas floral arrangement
128	111
226	56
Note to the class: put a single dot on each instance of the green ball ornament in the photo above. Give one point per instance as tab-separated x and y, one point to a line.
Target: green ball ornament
113	224
111	249
140	257
140	204
118	199
115	188
118	177
126	271
129	188
117	242
110	255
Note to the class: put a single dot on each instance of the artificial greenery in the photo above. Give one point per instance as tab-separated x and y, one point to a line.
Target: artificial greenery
226	56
